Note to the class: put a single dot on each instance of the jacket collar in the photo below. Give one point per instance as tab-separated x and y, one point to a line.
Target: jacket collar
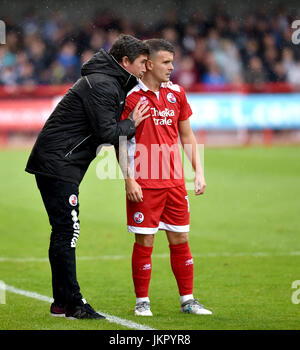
126	79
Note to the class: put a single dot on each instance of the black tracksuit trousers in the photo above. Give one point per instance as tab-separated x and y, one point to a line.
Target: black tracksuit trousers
61	202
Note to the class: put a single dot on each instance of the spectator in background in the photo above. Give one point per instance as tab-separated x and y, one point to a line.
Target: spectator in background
67	56
57	73
40	58
126	26
293	75
69	61
213	75
86	55
8	76
51	26
170	34
213	40
8	58
288	60
13	41
186	73
30	23
26	75
21	60
269	41
110	38
97	40
198	19
279	72
233	42
177	58
249	50
234	32
199	55
255	73
189	38
228	59
270	58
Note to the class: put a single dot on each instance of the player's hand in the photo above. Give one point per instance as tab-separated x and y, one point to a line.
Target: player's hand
133	190
139	113
200	185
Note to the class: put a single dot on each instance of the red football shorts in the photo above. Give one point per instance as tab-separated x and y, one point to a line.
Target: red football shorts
161	209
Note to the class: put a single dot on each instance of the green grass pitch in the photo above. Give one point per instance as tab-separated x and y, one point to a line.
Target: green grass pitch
245	239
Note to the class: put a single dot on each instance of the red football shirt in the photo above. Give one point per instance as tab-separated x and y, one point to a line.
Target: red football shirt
154	151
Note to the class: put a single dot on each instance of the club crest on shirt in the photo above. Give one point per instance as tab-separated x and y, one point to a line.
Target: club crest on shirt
144	100
73	200
171	98
138	217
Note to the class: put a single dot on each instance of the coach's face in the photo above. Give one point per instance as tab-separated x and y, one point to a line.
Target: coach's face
161	65
137	67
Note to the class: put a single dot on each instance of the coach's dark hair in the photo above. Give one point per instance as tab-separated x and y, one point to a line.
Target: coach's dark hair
127	45
156	45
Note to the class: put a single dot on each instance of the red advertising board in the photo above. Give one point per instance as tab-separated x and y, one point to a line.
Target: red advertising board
25	114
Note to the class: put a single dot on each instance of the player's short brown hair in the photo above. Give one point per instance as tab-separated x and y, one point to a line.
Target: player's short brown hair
156	45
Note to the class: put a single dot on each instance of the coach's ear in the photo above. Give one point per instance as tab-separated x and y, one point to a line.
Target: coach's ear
125	62
149	64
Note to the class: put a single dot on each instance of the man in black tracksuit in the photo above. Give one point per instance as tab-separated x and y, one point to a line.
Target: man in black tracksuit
86	117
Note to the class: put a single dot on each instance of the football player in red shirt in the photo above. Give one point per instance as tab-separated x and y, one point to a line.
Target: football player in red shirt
156	195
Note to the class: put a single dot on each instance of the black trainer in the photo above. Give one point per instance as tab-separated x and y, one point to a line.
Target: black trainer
84	311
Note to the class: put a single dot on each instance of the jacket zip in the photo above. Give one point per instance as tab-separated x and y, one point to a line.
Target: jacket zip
70	152
130	75
86	78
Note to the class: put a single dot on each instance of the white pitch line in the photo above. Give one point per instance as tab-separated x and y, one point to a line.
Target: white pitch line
109	318
166	255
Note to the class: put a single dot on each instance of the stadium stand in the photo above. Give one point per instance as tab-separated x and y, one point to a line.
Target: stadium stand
215	52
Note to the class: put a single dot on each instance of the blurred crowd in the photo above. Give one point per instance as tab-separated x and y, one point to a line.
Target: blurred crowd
213	48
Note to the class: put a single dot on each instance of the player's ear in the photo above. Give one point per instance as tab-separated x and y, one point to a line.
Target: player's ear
149	64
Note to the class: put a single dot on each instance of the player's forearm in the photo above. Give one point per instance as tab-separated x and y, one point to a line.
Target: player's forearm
123	160
191	150
133	190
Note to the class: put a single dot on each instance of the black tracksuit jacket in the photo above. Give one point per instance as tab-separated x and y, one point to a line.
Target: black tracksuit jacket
86	117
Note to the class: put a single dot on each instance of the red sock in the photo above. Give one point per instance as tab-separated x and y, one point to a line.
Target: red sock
183	267
141	269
